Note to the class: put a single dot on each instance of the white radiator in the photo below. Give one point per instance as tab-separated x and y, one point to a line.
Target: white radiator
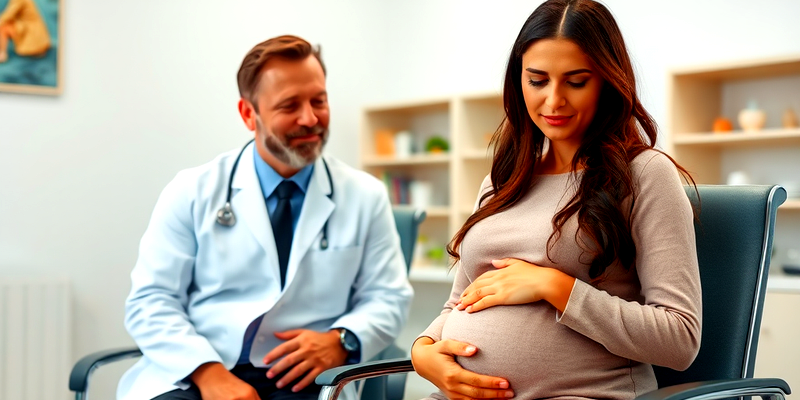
35	339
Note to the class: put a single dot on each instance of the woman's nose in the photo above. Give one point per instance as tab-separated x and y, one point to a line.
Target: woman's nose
555	99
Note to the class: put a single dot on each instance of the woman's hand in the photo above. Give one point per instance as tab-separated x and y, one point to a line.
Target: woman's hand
517	282
435	361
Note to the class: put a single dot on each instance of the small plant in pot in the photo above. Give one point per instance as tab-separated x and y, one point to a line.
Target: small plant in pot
437	144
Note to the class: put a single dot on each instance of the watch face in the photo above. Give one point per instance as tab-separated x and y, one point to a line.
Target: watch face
349	340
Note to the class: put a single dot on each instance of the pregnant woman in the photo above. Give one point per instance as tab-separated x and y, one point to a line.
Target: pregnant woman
578	269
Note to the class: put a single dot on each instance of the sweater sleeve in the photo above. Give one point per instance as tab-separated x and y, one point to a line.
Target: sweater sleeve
665	329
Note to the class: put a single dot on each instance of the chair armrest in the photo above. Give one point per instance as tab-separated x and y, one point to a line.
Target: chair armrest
82	370
348	373
334	379
721	389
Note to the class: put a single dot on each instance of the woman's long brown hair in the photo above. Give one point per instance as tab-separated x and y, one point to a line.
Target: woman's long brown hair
621	130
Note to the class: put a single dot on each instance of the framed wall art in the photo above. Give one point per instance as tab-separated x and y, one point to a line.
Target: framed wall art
30	46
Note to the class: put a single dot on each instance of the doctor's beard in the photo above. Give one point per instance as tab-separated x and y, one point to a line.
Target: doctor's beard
295	157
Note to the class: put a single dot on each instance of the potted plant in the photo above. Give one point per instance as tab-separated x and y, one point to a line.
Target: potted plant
437	144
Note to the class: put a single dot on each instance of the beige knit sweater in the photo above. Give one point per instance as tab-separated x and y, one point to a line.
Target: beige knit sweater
611	331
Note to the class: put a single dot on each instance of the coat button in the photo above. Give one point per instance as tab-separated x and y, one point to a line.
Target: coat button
261	339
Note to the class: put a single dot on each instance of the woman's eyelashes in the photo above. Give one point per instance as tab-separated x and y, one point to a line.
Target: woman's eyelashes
543	82
540	83
577	84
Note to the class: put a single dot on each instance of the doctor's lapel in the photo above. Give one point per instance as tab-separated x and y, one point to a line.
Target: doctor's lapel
250	209
317	208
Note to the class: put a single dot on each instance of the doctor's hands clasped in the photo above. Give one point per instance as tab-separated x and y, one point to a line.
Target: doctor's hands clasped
517	282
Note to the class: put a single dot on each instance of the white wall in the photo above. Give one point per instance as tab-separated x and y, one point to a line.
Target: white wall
150	89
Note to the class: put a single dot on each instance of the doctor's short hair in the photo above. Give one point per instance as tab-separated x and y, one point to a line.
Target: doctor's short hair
286	46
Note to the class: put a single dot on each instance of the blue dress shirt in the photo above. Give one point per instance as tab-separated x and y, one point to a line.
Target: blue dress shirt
269	180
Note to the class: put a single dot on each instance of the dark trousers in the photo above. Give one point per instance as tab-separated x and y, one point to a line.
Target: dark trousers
257	378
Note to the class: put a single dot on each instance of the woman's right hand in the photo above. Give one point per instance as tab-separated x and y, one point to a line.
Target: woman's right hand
435	361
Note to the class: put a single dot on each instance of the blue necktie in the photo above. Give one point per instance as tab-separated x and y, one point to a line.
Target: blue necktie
282	222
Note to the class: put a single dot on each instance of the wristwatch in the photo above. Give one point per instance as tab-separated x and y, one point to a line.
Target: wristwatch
349	342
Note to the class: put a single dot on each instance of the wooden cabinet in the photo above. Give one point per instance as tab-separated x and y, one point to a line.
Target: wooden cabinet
778	348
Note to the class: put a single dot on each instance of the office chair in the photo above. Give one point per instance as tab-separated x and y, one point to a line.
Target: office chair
734	242
407	220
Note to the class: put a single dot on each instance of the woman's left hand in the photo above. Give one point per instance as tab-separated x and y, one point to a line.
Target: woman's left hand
517	282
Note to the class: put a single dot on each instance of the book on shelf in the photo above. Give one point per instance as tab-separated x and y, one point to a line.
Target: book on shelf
398	187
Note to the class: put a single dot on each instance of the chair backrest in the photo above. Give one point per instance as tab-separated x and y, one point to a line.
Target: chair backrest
734	242
407	220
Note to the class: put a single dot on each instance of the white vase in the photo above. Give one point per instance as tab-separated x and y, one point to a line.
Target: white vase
752	119
402	144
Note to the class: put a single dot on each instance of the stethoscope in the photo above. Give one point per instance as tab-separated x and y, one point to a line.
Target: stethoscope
226	217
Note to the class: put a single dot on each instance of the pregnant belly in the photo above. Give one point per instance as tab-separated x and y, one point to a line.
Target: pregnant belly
525	345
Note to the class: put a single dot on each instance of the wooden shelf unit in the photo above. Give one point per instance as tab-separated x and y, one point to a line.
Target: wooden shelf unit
698	95
467	122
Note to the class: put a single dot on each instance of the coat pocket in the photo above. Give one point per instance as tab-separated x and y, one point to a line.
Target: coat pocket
330	275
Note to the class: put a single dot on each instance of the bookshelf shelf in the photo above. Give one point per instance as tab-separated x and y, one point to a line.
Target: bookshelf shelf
477	155
414	160
771	137
790	204
437	211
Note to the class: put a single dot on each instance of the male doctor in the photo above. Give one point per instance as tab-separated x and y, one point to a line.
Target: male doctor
300	272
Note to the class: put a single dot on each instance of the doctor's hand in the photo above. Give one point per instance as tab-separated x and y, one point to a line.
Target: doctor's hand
307	353
435	361
517	282
217	383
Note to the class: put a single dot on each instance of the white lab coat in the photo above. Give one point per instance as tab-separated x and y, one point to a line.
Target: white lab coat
197	285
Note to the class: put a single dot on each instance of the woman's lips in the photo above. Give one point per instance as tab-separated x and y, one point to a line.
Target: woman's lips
557	120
